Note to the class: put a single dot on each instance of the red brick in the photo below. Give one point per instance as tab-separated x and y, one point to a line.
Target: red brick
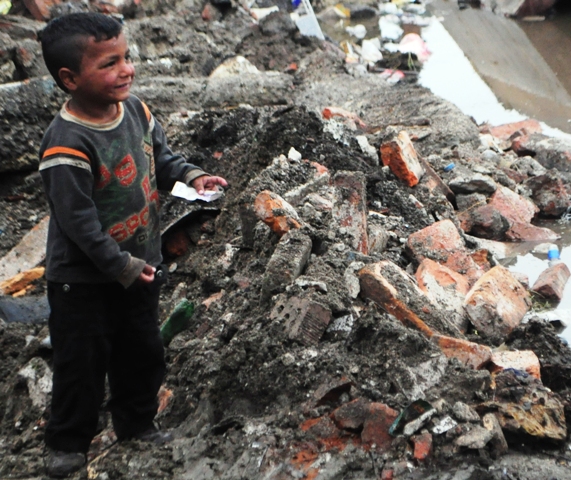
401	157
497	303
275	212
378	284
551	282
422	446
471	354
387	474
330	112
526	232
40	9
165	396
442	243
524	360
21	280
375	434
512	206
506	130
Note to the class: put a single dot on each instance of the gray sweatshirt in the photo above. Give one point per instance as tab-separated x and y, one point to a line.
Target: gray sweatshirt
101	182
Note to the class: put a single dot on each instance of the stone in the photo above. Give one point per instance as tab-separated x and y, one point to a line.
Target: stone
472	183
330	390
40	9
465	413
525	360
550	152
470	200
498	444
375	435
38	377
286	263
352	415
548	192
470	354
275	212
399	154
497	303
378	238
28	254
350	209
551	282
478	437
484	222
306	321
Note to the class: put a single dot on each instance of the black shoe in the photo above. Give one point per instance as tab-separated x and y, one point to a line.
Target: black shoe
154	435
61	464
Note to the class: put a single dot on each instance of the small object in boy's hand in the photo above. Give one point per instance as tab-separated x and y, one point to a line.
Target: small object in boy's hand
182	190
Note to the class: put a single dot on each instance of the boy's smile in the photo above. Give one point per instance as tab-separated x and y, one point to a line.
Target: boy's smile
104	79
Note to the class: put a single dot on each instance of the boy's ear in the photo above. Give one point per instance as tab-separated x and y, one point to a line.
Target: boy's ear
67	77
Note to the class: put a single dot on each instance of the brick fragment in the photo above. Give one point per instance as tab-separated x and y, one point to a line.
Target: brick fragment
505	131
548	192
442	243
422	446
471	354
525	360
513	207
526	232
275	212
287	262
375	434
40	9
401	157
378	283
330	390
306	320
497	303
551	282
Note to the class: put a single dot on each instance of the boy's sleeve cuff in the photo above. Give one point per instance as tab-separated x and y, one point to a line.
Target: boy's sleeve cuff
194	173
131	272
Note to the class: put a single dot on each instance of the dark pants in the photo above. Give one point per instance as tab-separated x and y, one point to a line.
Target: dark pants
99	330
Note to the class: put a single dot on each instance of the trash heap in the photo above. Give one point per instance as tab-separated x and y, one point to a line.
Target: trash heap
342	311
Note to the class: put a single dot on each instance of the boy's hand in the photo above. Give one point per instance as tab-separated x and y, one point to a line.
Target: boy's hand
205	182
148	274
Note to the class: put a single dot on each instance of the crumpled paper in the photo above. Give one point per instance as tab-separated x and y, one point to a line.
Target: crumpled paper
189	193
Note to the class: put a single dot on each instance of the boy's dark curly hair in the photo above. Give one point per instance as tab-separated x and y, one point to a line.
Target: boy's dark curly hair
64	39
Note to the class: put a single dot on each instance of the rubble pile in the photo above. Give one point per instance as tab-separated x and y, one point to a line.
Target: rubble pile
352	317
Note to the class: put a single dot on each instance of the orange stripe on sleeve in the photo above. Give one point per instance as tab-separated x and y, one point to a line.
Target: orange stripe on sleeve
147	111
65	151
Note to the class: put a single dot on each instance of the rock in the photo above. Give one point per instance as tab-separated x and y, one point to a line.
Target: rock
287	262
513	207
498	444
537	413
40	9
399	154
497	303
306	320
38	378
470	200
484	222
465	413
525	360
548	151
551	282
525	232
468	353
478	437
350	210
473	183
548	192
352	415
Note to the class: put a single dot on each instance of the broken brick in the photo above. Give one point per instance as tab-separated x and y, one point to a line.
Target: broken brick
40	9
551	282
525	360
306	320
526	232
401	157
497	303
21	280
422	446
275	212
505	131
513	207
470	354
375	434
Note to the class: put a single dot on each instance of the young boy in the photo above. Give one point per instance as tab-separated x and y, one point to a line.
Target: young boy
102	160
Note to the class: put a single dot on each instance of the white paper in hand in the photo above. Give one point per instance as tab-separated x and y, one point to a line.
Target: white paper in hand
189	193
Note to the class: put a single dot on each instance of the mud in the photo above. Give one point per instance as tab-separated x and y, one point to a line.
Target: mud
240	384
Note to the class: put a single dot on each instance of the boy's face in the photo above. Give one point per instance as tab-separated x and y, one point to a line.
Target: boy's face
105	75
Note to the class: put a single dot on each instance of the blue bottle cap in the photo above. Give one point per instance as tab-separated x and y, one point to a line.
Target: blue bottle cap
449	167
553	253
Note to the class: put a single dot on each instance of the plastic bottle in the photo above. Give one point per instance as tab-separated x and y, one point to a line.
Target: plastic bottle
178	321
553	256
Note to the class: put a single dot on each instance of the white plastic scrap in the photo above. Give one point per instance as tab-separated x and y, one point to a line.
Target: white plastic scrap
370	52
359	31
389	28
447	423
189	193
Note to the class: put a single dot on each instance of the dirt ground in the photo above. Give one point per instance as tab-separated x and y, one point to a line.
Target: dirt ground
238	387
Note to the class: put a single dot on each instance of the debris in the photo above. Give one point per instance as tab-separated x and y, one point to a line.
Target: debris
38	378
178	320
524	360
305	19
400	155
447	423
